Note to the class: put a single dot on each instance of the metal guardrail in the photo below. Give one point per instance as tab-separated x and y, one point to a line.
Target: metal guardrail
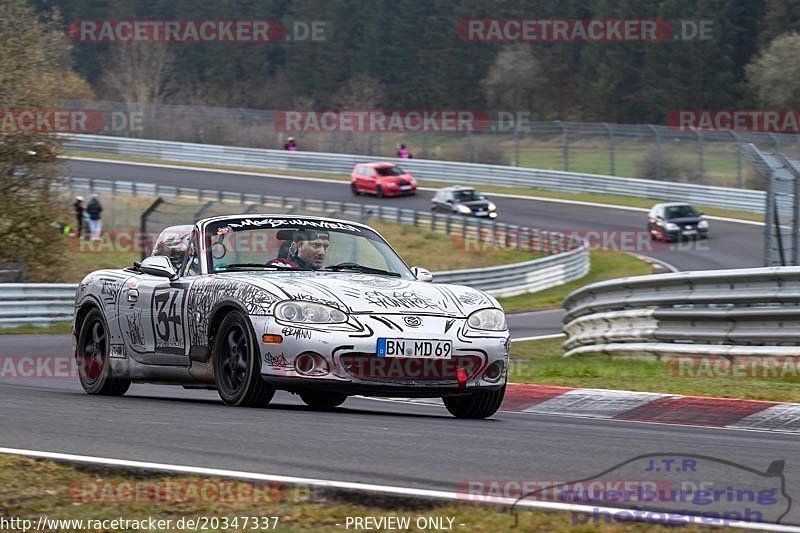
429	170
36	303
12	272
48	303
531	276
743	312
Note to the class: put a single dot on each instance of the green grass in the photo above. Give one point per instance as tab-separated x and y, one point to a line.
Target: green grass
62	328
421	247
604	265
542	362
30	488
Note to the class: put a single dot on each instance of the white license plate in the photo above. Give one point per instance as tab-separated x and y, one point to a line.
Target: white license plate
690	232
405	187
434	349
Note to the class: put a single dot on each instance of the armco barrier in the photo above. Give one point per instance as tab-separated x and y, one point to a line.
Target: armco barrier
36	303
439	171
47	303
728	313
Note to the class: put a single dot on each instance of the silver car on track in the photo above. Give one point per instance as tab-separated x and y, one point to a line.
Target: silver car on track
250	304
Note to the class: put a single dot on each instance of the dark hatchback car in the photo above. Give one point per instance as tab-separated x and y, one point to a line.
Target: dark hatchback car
675	221
463	201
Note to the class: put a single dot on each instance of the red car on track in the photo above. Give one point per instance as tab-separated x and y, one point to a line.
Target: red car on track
382	179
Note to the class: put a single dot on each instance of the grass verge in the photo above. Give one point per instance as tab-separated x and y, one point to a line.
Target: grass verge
608	199
421	247
542	362
31	488
62	328
605	264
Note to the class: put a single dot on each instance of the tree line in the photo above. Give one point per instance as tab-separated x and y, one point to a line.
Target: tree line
407	54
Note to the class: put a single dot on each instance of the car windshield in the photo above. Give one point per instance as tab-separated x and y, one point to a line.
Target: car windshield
467	195
389	171
265	243
680	211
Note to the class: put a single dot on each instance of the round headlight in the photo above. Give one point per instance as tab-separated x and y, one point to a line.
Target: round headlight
291	312
672	227
492	207
464	209
488	320
702	224
301	312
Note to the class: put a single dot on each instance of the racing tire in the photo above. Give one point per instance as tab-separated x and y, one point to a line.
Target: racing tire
323	400
92	354
379	192
354	189
237	365
480	404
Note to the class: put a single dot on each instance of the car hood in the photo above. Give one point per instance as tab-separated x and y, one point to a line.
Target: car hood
475	203
404	177
367	293
685	220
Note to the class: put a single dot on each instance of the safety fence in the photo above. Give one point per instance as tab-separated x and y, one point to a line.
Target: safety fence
649	151
725	313
428	170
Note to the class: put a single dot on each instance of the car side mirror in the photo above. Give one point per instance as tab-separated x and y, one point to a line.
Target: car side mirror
422	274
158	265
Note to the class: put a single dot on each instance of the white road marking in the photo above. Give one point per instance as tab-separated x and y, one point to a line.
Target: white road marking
538	337
591	510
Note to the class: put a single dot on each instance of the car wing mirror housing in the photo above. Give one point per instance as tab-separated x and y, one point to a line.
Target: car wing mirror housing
159	265
422	274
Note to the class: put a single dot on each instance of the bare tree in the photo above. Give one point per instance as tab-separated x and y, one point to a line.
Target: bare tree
360	92
35	75
774	76
140	73
515	80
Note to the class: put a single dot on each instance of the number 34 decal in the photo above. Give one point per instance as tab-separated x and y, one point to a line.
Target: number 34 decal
168	318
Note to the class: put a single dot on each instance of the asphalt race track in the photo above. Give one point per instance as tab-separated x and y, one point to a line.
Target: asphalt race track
732	245
370	441
365	440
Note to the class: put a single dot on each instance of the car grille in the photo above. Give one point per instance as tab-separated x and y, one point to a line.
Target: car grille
401	181
370	367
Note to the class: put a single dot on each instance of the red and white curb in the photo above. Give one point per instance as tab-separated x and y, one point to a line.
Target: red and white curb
648	407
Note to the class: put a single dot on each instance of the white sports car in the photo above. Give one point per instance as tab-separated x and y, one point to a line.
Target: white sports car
248	304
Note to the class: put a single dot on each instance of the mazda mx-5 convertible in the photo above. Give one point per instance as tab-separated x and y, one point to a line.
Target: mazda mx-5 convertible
324	308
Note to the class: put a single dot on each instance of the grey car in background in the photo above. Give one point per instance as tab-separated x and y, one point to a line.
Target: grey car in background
676	221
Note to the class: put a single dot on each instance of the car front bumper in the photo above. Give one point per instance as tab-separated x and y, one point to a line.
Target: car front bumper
678	235
347	362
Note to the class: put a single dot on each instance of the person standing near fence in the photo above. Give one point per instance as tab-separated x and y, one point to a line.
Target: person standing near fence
79	213
95	221
403	152
291	145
